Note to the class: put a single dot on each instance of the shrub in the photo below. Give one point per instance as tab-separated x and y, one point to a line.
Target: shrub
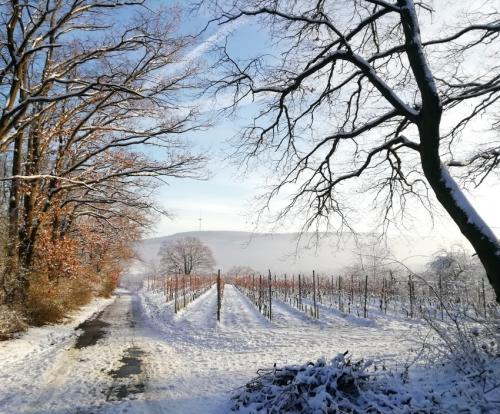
11	321
468	353
108	285
50	301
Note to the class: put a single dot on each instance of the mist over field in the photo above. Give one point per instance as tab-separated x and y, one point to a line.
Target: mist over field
287	253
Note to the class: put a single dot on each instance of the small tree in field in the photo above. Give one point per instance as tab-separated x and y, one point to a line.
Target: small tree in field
187	255
455	265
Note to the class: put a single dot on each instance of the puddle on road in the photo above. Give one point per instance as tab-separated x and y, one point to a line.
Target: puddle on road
131	366
93	330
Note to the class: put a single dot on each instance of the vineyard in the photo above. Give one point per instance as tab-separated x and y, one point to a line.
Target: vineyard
267	331
363	297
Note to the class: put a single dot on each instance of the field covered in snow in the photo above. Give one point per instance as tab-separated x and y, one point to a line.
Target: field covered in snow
208	359
148	359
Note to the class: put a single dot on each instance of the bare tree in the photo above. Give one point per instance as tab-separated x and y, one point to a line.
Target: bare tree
352	95
455	265
187	255
237	271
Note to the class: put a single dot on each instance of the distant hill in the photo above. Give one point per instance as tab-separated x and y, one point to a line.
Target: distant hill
282	252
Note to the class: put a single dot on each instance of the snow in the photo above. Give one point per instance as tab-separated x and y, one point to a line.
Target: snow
205	364
239	313
188	362
465	205
24	360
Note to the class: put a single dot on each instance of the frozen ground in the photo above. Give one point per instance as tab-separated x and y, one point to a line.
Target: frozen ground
136	356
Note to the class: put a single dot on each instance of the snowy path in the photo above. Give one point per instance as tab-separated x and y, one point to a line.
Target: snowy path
285	315
149	360
200	313
239	312
84	377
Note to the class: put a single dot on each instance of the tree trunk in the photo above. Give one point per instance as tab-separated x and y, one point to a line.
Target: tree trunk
453	200
475	230
14	281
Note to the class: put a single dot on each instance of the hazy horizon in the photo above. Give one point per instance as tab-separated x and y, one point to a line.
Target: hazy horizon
285	253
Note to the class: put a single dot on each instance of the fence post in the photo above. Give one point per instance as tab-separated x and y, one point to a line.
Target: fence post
341	304
365	310
410	286
184	290
331	291
270	294
218	296
260	293
315	311
191	290
385	295
253	288
286	288
300	295
351	299
175	291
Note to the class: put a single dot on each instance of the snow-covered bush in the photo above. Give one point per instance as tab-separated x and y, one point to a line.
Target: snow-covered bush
311	388
467	352
11	321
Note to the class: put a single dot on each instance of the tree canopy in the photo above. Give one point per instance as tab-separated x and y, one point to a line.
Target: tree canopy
187	256
367	96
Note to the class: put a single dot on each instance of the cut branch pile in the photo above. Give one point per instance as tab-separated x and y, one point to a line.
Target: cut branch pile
321	387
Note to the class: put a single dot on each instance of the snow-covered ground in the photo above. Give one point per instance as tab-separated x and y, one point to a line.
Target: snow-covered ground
204	361
150	360
29	365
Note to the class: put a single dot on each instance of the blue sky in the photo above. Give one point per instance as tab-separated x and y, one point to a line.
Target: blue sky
224	200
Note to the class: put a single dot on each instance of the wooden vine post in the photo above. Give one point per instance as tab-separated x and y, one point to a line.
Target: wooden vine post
300	294
219	295
331	291
341	305
260	293
315	306
175	291
365	310
410	288
286	289
184	290
270	294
